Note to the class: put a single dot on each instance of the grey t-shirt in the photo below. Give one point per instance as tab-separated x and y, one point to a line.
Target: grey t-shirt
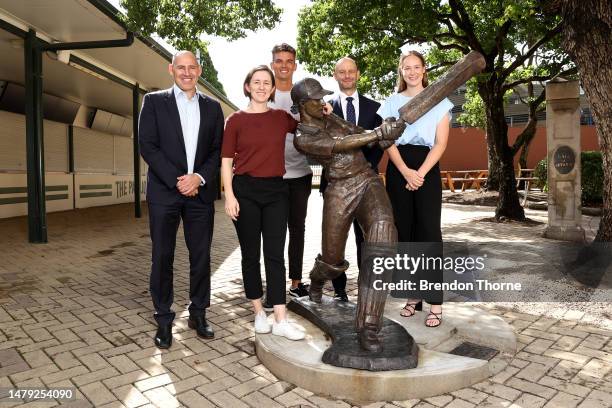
296	164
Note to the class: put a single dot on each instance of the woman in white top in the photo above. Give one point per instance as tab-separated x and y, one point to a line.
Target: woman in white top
413	176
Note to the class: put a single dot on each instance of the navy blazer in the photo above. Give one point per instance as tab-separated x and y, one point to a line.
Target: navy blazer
163	148
368	119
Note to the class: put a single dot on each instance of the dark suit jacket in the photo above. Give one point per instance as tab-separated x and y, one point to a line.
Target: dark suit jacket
163	148
368	119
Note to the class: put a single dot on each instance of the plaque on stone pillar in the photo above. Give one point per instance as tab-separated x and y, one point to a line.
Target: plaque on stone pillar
563	142
564	159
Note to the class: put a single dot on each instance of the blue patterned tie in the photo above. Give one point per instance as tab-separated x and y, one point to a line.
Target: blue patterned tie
350	110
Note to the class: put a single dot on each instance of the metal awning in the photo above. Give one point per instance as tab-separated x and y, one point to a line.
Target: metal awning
144	62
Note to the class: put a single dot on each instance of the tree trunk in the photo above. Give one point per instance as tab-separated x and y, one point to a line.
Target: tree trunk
524	139
523	156
508	205
493	166
586	38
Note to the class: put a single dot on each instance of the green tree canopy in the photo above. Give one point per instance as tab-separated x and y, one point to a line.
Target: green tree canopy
209	72
183	23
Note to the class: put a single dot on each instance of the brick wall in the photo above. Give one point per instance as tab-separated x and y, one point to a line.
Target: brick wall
467	147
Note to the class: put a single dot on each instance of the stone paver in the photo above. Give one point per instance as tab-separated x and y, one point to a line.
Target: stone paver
76	312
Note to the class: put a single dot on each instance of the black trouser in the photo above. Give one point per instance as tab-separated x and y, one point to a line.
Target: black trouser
263	212
299	191
417	213
340	282
164	220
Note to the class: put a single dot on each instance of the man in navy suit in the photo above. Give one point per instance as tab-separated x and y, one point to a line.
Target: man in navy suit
180	133
358	109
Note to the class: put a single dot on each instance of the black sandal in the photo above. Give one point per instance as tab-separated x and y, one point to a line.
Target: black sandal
437	317
411	308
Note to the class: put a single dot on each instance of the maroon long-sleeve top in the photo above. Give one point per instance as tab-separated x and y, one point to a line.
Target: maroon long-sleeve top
256	142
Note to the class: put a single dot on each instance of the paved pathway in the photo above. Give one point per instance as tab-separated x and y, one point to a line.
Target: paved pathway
76	313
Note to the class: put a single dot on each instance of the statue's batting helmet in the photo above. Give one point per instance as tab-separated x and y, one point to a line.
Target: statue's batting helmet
307	88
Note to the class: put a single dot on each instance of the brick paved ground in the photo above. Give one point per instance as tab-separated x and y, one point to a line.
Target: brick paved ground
75	312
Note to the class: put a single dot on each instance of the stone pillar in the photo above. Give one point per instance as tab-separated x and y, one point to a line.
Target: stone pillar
563	140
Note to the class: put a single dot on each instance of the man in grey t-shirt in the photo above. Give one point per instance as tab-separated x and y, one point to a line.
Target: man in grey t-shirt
298	174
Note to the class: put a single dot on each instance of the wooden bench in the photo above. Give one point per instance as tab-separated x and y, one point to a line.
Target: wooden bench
468	179
473	179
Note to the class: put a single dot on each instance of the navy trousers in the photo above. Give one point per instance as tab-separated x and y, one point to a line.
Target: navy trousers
198	222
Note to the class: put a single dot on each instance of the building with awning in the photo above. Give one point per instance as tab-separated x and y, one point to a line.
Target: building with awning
71	82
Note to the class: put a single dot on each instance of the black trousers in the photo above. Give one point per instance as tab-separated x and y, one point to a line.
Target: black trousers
299	191
164	220
418	213
263	212
340	281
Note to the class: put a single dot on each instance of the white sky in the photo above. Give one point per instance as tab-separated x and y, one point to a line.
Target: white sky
234	59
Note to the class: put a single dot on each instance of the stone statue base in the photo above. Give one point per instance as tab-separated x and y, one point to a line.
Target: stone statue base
336	319
440	370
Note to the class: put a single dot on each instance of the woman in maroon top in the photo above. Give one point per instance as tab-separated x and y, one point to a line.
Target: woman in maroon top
256	197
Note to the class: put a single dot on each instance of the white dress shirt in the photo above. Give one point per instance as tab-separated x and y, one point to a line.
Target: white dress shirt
189	111
355	97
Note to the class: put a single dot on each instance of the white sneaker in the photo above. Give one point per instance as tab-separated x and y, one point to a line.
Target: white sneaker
261	323
287	330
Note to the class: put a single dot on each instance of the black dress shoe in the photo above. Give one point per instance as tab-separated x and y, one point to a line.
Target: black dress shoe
201	327
341	296
163	337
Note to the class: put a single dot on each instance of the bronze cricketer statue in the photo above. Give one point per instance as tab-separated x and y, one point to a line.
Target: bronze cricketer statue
355	191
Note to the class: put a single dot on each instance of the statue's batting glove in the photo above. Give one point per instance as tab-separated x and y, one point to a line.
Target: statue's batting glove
390	129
